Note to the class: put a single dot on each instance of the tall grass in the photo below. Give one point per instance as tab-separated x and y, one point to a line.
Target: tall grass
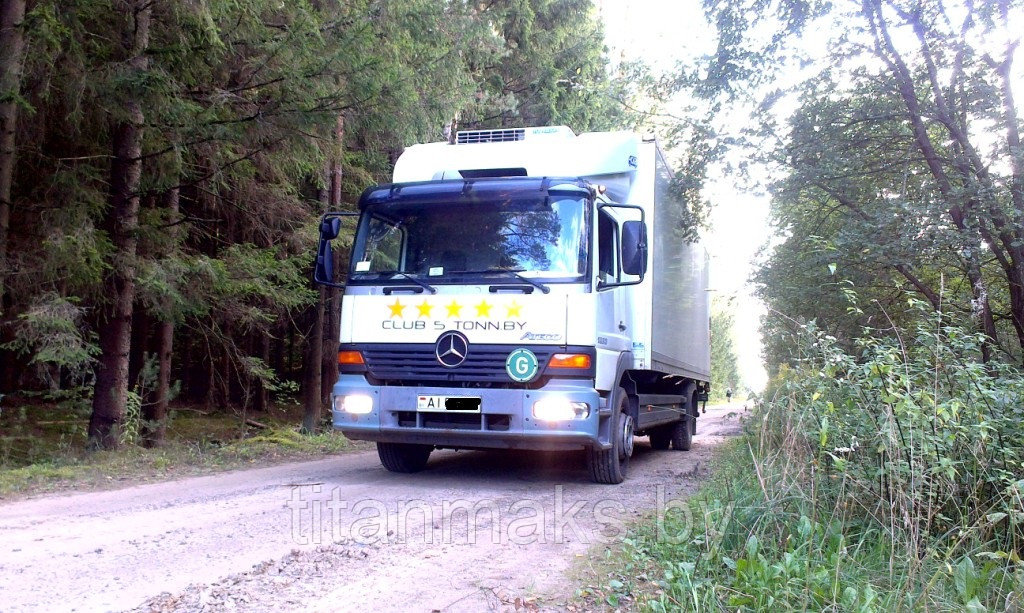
887	479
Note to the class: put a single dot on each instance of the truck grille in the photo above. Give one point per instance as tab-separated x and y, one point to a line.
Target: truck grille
508	135
417	364
454	421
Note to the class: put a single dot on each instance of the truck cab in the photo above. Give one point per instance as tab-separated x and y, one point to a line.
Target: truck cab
501	298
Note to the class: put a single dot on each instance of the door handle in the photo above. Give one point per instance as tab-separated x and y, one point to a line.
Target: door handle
622	326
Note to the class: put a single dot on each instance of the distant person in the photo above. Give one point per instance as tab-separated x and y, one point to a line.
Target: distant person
728	395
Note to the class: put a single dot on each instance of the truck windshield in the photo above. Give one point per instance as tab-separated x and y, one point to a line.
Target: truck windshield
541	239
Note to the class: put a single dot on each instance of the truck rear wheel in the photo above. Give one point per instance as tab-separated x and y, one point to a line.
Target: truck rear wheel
661	437
682	436
610	465
403	457
682	432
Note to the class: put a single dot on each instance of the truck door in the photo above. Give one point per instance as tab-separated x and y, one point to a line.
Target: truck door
613	335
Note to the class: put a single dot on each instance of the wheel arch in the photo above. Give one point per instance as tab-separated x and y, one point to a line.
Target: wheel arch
628	383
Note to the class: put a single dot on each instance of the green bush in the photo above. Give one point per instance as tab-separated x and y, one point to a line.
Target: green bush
917	434
891	479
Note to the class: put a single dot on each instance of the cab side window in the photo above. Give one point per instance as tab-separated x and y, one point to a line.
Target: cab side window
607	248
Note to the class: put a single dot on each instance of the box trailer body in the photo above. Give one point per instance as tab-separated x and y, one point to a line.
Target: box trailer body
527	289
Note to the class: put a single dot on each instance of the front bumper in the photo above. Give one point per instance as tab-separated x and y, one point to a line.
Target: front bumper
505	420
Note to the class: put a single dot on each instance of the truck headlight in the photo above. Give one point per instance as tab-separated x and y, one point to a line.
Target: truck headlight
356	404
560	409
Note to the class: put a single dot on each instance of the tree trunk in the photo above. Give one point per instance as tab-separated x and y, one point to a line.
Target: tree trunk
12	48
277	343
211	382
332	309
155	413
262	400
139	346
111	388
1017	305
1013	142
187	371
329	353
958	210
312	372
290	356
226	370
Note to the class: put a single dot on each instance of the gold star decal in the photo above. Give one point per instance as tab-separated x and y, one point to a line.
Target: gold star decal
396	308
515	309
424	309
454	309
483	309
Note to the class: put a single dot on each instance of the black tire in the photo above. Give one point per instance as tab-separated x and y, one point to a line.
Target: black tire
682	437
610	465
403	457
682	431
660	437
694	411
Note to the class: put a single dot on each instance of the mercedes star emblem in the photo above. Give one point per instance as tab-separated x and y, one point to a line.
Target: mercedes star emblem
451	349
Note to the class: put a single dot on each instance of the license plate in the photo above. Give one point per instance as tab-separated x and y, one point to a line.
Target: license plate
461	404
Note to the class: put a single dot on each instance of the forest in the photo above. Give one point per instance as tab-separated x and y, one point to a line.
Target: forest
163	166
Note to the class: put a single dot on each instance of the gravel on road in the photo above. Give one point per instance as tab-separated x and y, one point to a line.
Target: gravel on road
474	531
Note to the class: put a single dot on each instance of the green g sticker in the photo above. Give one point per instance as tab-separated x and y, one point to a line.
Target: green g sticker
521	365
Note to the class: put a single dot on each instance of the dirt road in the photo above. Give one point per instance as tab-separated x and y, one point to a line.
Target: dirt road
475	531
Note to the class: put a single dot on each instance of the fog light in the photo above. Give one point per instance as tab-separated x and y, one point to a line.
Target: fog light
356	404
560	409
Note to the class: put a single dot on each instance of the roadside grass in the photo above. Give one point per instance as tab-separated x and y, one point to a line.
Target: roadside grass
628	574
43	448
739	545
887	480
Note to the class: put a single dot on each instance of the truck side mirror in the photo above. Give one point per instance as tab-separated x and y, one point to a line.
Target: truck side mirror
324	271
330	228
634	248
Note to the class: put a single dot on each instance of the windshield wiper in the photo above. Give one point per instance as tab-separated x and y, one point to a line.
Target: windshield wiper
430	288
514	272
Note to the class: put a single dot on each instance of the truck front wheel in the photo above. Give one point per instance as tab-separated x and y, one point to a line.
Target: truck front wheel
403	457
610	465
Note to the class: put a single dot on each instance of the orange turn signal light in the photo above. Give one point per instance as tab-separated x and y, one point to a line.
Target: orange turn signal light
350	357
569	360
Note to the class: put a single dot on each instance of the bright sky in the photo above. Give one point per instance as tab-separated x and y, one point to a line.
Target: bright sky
661	32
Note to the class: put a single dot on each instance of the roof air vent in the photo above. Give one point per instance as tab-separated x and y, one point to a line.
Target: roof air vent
470	137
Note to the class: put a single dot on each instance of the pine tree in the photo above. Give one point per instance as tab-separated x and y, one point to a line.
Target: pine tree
111	391
12	49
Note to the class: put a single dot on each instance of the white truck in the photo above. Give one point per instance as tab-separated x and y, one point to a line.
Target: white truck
499	296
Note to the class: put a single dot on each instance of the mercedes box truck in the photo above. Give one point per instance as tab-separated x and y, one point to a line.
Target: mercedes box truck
523	289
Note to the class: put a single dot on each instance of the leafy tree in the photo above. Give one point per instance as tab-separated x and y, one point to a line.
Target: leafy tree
724	368
889	174
550	69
